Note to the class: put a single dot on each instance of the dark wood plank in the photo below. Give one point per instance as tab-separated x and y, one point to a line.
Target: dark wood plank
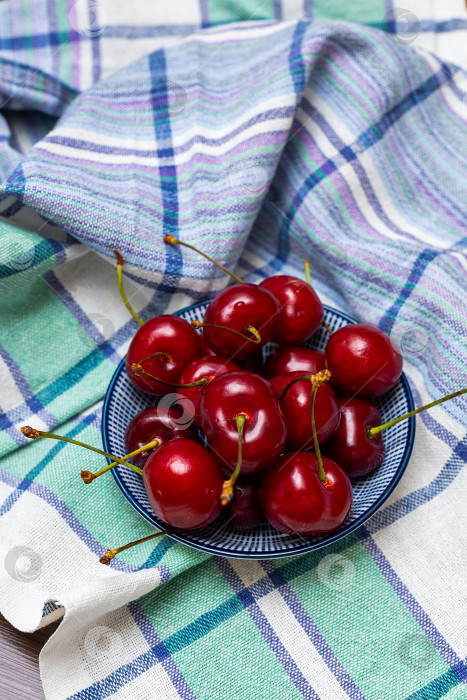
19	665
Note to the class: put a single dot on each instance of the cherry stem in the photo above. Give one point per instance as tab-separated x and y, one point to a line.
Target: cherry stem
88	476
294	381
166	358
140	372
306	264
227	487
316	381
251	329
122	291
34	434
111	553
371	432
175	241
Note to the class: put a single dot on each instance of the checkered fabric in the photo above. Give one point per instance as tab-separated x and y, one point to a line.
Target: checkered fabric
266	132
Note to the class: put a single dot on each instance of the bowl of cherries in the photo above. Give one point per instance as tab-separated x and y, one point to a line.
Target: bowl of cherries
259	424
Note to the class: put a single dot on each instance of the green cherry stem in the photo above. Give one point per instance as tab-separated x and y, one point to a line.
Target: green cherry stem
324	374
251	329
111	553
227	487
88	476
140	372
374	431
34	434
306	264
119	257
171	240
316	381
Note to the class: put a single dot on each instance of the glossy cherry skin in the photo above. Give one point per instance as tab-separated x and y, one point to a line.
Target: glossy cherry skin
156	422
184	483
293	358
168	334
363	360
207	366
350	445
264	432
294	500
244	510
237	307
296	406
302	310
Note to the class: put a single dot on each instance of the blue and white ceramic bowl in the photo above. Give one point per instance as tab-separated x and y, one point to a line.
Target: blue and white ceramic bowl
123	401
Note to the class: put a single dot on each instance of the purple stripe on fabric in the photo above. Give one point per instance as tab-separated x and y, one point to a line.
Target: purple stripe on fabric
306	622
412	605
277	9
266	630
153	639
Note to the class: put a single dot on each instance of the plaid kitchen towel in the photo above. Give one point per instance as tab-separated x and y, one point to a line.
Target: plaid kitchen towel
265	133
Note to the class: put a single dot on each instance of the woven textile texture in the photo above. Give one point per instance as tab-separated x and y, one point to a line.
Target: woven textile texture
266	132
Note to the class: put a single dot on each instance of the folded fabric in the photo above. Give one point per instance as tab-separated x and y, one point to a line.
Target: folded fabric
264	143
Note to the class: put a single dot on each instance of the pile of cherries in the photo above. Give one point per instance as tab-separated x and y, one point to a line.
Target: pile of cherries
284	436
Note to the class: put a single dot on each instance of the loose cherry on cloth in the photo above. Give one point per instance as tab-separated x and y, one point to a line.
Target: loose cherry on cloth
184	484
293	358
241	319
363	360
208	367
304	493
351	446
302	310
296	408
165	344
156	422
264	436
244	510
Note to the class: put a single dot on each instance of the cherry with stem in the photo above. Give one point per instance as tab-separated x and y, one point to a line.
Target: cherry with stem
111	553
138	370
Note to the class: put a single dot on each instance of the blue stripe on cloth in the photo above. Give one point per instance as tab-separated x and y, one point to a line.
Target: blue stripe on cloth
204	10
306	622
410	602
266	630
152	638
440	686
167	173
419	267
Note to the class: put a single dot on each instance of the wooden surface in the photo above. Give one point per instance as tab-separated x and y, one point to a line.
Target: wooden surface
19	665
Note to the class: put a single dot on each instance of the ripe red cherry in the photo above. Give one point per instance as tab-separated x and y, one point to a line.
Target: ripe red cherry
293	358
244	510
183	482
351	446
294	499
302	310
156	422
264	434
239	307
207	366
363	360
297	412
175	340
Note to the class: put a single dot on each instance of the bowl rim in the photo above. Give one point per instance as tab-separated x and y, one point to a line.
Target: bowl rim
279	554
